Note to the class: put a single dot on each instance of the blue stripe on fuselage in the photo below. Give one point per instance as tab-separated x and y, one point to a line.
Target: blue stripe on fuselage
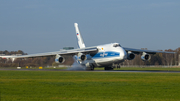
106	54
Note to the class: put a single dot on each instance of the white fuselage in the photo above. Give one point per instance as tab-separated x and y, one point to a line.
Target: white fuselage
107	55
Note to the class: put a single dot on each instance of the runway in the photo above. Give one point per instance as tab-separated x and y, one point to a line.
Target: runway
131	71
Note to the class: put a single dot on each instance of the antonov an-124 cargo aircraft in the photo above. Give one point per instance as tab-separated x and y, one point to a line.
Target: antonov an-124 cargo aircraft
97	56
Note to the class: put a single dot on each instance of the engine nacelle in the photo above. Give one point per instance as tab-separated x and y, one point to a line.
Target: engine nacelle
59	59
145	56
130	56
81	57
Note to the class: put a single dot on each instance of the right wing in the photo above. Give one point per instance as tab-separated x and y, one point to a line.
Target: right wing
61	52
137	51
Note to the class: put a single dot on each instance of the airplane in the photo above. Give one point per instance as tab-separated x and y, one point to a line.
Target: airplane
96	56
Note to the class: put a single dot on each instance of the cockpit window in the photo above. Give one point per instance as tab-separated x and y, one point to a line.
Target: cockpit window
116	45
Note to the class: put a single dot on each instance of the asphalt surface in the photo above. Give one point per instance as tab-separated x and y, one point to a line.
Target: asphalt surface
140	71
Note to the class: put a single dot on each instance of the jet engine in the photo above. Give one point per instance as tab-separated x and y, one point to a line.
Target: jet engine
145	56
81	57
59	59
130	56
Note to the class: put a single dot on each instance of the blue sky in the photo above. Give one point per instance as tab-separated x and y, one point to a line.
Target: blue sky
48	25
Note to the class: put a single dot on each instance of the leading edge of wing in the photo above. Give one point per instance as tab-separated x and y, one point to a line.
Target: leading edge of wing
61	52
147	51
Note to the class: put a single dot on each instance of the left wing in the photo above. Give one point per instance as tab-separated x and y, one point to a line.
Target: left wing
61	52
137	51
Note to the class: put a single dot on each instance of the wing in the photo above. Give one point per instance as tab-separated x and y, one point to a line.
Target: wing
61	52
137	51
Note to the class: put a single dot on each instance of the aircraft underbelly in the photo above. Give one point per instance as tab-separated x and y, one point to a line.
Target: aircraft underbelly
107	61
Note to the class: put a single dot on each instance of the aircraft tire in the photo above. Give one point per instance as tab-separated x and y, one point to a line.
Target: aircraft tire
92	67
118	66
108	68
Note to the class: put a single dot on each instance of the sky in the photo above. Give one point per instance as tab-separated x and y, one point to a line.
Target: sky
36	26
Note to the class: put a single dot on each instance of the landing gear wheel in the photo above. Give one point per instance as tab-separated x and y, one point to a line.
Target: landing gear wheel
92	67
108	68
118	66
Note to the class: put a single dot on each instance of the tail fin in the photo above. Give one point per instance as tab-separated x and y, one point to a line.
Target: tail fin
80	40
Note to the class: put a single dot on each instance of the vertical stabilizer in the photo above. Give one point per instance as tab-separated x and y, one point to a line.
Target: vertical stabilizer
80	40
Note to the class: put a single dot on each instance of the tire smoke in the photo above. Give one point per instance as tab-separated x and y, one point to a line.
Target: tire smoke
76	66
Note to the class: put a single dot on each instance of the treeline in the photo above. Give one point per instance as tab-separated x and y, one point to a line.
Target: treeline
20	52
156	59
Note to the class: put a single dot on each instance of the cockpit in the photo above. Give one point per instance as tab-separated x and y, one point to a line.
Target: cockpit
116	45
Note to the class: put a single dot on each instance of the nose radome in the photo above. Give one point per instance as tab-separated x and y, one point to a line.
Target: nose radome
123	54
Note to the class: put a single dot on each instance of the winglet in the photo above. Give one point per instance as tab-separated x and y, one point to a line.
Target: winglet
78	34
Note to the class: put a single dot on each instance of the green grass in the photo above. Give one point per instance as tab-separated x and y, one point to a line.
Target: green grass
74	85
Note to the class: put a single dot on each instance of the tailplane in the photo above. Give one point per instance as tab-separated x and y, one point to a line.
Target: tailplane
80	40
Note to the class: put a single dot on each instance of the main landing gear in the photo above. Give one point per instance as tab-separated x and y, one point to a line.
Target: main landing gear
108	68
116	66
112	67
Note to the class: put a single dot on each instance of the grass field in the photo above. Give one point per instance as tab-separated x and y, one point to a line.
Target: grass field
92	86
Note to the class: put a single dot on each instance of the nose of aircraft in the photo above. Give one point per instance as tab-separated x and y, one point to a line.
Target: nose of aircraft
123	54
